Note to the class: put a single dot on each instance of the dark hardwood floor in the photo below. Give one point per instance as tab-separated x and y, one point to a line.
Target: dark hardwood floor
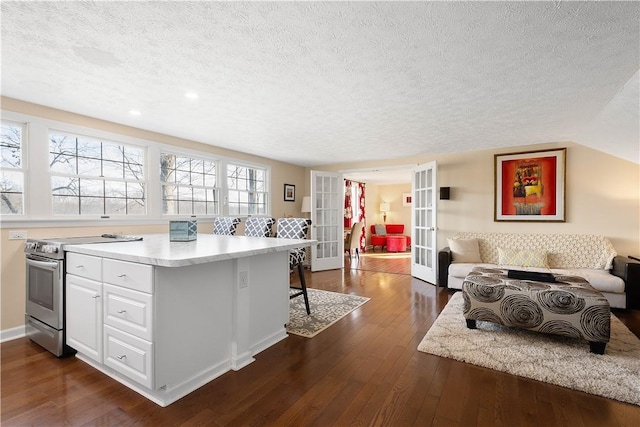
363	370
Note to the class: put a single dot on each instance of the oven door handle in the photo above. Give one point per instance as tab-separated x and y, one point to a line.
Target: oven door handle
49	265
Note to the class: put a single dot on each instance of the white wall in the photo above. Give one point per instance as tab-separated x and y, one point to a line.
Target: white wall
602	195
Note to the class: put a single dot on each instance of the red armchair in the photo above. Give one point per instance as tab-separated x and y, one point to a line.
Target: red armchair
391	230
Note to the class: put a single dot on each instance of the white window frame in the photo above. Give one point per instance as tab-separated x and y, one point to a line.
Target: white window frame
267	184
194	156
37	186
23	163
143	182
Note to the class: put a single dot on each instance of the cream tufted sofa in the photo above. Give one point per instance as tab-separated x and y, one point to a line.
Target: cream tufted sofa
591	257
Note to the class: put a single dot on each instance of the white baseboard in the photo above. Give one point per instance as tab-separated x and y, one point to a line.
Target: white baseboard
12	333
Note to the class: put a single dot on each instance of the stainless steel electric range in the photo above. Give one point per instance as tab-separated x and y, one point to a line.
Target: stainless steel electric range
45	272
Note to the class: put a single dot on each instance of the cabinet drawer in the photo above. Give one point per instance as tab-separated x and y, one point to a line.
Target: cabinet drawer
86	266
129	355
128	274
128	310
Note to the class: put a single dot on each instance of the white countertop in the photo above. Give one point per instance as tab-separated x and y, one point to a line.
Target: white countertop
156	249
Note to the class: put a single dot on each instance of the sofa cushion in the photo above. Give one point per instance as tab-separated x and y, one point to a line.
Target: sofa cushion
381	230
522	258
464	250
563	250
601	280
395	228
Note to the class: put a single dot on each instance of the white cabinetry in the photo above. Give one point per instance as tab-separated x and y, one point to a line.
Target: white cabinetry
128	314
84	305
171	317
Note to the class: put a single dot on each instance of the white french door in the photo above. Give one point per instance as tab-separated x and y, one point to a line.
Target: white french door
423	219
327	199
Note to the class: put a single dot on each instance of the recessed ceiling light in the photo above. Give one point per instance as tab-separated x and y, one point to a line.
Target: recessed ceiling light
134	112
191	95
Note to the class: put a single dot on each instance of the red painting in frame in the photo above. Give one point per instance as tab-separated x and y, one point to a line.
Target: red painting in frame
530	186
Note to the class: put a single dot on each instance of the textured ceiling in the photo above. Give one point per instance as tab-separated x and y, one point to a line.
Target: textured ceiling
315	83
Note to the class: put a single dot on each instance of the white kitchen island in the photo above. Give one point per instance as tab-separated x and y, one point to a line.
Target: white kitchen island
165	318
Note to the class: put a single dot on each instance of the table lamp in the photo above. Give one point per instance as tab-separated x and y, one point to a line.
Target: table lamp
384	208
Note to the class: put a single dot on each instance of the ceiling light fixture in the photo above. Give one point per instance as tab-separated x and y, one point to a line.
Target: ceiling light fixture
135	112
191	95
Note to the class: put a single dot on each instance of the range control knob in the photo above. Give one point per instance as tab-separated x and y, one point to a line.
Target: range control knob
49	249
31	245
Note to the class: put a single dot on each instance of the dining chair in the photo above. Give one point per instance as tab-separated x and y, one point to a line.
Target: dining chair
296	228
258	226
225	225
352	242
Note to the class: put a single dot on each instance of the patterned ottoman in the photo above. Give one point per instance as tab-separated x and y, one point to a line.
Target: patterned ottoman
569	306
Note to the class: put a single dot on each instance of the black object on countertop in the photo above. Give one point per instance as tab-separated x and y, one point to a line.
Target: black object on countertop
531	275
121	237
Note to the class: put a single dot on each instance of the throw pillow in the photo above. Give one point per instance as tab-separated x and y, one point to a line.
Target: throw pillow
464	250
381	230
522	258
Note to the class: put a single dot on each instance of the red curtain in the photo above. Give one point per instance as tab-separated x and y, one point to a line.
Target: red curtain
348	210
363	238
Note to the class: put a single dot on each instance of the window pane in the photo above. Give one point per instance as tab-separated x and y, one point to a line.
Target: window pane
134	155
115	206
135	190
11	192
62	144
167	167
113	152
133	171
61	185
61	163
199	208
66	205
183	177
136	207
89	167
184	208
185	193
91	187
11	146
115	189
92	206
11	204
89	148
170	207
112	169
170	192
197	179
199	194
183	163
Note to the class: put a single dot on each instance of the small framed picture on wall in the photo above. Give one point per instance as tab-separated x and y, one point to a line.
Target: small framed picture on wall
289	193
406	199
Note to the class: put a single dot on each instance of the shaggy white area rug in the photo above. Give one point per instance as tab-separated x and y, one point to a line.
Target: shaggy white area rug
326	309
552	359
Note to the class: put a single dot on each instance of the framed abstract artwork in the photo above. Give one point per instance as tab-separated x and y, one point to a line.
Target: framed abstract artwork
406	199
530	186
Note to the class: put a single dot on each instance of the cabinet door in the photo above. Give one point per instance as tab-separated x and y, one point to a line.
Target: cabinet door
84	316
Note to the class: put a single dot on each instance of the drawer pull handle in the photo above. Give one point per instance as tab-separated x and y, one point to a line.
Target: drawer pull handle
80	266
122	275
122	357
122	311
95	296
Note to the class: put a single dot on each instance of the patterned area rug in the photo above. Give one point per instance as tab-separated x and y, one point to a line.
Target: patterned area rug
326	309
552	359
